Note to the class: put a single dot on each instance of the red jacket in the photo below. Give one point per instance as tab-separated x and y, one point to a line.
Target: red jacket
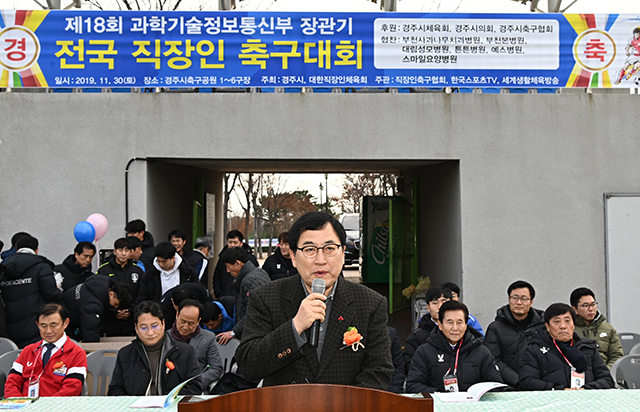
63	376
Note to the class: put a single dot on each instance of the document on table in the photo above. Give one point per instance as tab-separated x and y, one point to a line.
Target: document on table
473	394
15	403
161	401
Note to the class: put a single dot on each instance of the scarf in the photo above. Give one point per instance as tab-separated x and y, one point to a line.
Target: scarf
181	338
574	356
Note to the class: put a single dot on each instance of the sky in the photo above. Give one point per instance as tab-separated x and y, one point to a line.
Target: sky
443	6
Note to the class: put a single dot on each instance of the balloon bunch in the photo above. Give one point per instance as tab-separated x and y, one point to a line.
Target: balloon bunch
91	229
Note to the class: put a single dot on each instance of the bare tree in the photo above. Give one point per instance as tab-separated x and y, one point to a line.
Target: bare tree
356	186
228	188
272	204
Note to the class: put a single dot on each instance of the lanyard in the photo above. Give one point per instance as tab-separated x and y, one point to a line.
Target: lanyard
40	349
565	358
455	368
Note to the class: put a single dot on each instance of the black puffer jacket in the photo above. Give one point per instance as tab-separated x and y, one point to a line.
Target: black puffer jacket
432	360
506	340
27	284
542	367
72	273
278	266
419	336
132	375
88	306
131	274
148	250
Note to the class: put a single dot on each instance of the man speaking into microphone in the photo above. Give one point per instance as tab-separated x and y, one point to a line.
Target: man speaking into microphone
279	339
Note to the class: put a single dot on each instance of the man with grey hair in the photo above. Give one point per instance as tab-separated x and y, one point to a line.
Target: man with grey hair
199	259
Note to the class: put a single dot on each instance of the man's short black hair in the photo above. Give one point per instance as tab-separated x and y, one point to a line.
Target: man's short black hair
135	226
436	293
123	293
283	237
452	305
150	307
27	241
210	312
636	30
235	233
520	284
182	292
121	243
314	221
80	247
452	287
49	309
134	242
558	309
235	253
15	237
177	233
579	293
191	302
165	250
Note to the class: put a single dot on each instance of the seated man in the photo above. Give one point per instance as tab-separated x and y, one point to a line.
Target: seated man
454	356
92	307
154	363
187	330
455	295
557	358
434	297
592	324
216	318
174	296
509	334
54	366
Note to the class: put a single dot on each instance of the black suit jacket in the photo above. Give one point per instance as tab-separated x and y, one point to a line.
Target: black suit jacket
269	349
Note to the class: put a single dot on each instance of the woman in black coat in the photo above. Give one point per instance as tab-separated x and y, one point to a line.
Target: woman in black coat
556	358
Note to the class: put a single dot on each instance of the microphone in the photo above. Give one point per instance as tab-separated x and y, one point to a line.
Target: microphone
317	286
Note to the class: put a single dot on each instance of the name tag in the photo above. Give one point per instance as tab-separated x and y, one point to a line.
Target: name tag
577	379
34	389
450	383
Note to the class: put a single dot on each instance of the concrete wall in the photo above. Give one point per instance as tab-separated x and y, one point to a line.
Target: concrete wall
532	168
439	234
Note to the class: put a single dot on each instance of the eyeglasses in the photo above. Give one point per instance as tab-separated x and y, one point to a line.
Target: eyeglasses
522	299
145	329
586	306
329	250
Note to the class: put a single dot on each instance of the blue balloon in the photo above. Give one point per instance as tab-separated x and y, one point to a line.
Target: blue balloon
84	232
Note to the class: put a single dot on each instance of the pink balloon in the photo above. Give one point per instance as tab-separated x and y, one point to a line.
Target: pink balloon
100	223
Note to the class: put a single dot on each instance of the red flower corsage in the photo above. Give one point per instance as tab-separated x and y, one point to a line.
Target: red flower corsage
352	338
170	366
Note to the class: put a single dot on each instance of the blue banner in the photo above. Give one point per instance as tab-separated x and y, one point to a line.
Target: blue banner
262	49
